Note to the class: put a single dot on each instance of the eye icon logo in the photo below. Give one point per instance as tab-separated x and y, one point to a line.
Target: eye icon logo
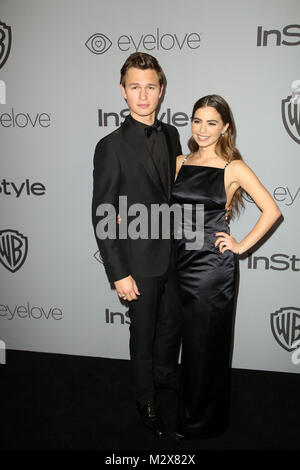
98	43
5	43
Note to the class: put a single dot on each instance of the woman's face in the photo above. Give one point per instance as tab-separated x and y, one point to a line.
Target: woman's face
207	126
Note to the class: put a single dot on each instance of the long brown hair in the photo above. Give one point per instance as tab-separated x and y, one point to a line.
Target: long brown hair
225	146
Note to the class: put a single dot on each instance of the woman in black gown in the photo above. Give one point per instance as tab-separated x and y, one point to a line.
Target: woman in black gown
214	175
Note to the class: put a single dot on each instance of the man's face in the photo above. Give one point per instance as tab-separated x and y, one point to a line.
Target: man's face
142	93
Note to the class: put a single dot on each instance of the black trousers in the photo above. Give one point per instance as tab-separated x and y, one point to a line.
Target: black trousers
155	333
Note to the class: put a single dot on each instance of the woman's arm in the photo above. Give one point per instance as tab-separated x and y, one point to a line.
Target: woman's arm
243	176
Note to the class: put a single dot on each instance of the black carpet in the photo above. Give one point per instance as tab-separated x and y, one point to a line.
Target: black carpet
60	402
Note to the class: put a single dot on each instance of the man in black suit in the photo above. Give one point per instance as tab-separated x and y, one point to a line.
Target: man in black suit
138	161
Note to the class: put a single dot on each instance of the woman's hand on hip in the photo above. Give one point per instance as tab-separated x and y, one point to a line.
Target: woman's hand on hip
226	241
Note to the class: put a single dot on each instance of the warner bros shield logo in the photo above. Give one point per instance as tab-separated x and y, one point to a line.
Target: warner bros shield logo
13	249
290	109
285	324
5	43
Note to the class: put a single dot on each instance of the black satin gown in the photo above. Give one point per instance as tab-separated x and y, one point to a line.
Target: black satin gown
207	280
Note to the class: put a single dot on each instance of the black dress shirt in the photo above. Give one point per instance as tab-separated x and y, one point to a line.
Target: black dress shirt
158	150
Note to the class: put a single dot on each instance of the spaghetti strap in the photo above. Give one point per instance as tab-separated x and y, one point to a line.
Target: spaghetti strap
182	163
185	159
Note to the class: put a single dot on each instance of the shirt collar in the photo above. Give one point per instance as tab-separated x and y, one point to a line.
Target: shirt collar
140	126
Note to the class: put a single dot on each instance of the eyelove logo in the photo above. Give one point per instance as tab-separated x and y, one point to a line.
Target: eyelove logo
24	188
99	43
5	43
13	119
285	325
282	194
29	312
13	249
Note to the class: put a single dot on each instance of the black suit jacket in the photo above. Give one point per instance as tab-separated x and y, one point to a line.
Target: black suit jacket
123	166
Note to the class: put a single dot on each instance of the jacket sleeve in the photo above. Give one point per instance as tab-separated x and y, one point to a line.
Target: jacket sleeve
178	145
106	183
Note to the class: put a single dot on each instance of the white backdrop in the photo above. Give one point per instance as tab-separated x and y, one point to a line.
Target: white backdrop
61	66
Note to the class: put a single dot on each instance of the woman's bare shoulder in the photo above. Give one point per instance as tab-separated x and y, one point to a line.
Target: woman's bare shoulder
237	166
237	163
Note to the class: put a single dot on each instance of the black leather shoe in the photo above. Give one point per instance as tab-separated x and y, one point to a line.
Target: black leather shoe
151	418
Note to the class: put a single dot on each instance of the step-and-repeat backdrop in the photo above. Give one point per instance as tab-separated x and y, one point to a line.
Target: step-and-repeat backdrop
59	94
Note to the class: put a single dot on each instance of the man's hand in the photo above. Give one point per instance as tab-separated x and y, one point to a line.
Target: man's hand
127	288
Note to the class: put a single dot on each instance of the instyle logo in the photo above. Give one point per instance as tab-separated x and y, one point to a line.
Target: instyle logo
282	194
157	40
289	36
285	325
275	262
114	118
5	43
25	188
13	249
111	317
290	110
30	312
14	119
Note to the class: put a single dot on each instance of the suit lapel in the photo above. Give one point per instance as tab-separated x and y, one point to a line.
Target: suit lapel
172	163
